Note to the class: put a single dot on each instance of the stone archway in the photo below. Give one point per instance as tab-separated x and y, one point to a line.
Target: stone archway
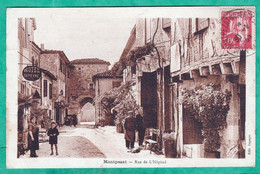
87	110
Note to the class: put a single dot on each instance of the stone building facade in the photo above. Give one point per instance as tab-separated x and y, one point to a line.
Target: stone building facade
47	81
82	85
104	82
57	63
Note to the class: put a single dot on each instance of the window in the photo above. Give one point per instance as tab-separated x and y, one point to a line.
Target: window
201	24
22	88
45	88
50	91
116	84
33	63
91	86
27	91
36	62
64	72
147	30
60	65
133	69
166	23
49	113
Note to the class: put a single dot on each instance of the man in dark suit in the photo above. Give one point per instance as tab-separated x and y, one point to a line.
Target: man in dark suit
130	126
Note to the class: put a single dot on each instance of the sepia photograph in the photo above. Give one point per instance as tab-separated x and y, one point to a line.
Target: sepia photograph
130	87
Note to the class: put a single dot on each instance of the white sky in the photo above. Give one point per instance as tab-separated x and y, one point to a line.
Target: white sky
82	36
94	32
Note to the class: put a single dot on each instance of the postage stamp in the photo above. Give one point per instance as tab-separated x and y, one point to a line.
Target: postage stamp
236	29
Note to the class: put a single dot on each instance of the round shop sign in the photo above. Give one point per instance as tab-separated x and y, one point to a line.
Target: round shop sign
31	73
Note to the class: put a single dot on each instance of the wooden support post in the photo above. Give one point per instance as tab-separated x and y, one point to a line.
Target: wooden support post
226	68
214	69
204	71
194	73
235	67
186	76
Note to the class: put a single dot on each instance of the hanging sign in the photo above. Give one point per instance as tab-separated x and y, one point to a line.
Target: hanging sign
31	73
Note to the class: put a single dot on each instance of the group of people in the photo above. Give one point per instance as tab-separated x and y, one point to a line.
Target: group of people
71	120
33	137
132	123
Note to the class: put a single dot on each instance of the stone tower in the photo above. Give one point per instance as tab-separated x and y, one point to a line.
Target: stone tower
81	84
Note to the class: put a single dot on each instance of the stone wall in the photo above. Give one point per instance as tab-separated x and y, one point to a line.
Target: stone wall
103	85
81	84
51	62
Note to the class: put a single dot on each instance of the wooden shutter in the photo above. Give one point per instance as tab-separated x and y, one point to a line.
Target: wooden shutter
147	30
45	88
60	65
203	23
166	23
50	91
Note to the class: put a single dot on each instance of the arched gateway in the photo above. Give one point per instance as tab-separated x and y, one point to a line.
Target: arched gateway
87	110
82	89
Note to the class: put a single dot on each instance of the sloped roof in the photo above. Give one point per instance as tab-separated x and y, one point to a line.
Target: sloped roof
49	74
61	53
89	61
107	74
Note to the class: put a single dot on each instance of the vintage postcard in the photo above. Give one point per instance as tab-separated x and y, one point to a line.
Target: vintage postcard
130	87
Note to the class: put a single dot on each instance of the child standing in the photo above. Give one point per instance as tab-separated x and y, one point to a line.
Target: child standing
53	134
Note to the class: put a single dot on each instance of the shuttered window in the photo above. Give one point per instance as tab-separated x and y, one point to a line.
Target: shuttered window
147	30
200	24
45	83
60	65
50	91
166	23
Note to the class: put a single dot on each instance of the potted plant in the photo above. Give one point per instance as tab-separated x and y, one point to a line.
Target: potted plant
169	145
210	106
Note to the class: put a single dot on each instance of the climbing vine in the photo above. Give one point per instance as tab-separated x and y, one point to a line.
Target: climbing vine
210	106
120	99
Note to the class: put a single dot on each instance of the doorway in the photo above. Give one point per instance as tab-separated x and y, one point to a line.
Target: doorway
149	99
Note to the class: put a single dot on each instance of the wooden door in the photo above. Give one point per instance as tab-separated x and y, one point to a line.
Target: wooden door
191	129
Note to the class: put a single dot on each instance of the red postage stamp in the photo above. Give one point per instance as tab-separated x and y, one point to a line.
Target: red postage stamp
236	29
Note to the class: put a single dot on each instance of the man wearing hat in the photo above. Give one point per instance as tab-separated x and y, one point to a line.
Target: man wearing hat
130	127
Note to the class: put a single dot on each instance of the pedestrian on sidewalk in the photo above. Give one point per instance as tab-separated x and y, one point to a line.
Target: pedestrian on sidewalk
130	126
75	120
140	126
53	137
33	137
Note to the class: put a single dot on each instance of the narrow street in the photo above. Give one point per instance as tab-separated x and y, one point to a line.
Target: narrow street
85	141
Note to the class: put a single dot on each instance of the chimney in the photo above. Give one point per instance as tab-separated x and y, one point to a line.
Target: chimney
42	46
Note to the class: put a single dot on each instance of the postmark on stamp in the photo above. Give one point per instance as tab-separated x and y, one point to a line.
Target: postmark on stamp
236	29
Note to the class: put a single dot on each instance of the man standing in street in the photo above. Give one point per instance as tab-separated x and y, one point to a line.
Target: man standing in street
130	126
140	126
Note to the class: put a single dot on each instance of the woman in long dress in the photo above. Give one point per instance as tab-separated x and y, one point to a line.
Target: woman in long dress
33	137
